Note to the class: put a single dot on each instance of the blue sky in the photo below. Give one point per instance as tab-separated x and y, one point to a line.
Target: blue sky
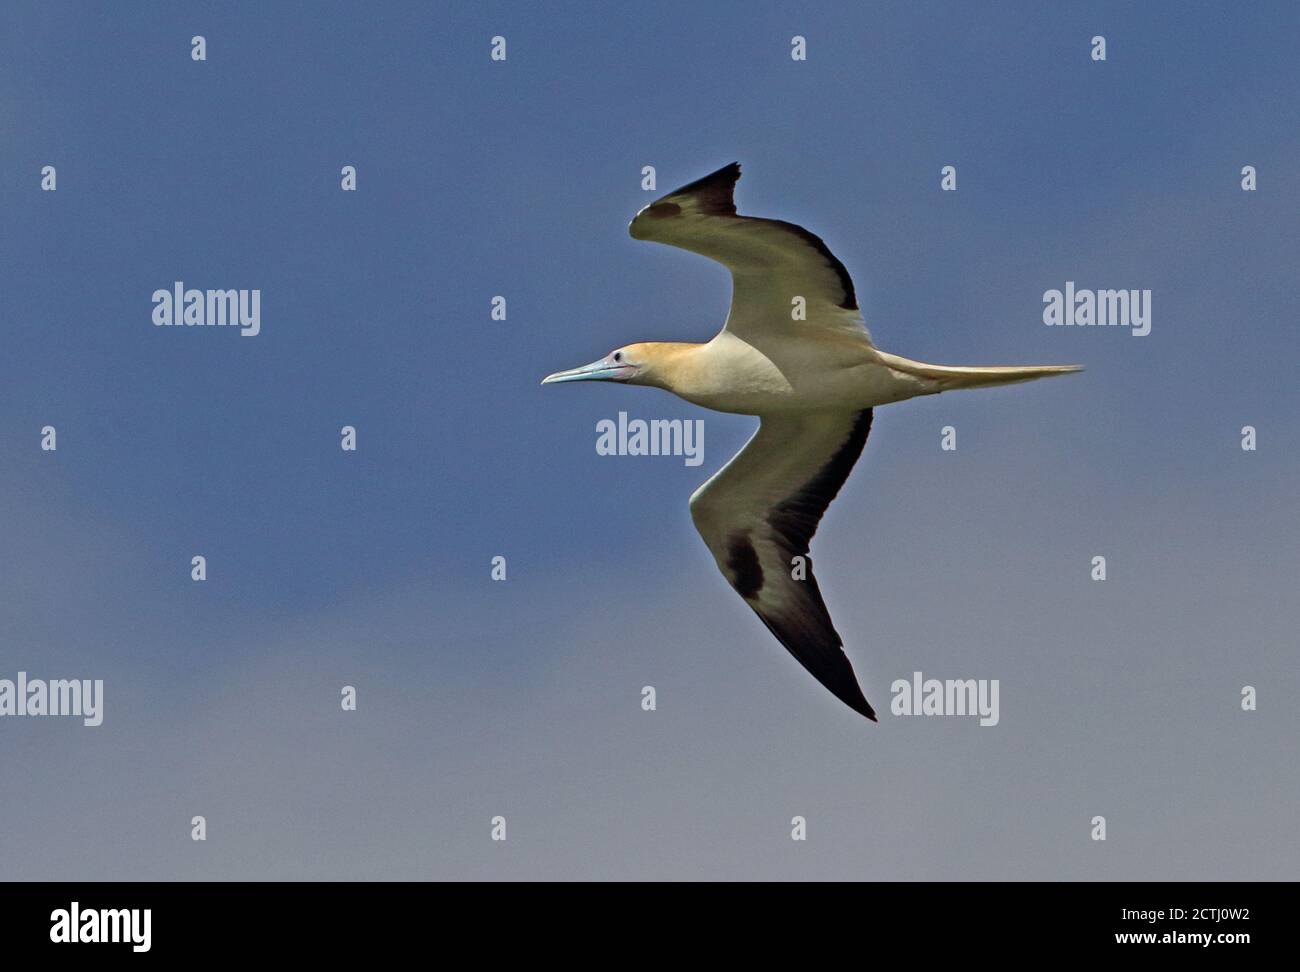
521	698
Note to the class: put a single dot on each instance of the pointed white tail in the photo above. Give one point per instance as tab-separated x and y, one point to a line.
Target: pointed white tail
949	379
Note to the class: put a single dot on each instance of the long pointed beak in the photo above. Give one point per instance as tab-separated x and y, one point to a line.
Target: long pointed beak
602	370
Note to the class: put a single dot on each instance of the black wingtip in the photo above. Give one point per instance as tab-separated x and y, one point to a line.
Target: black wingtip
861	706
728	173
851	694
848	691
714	192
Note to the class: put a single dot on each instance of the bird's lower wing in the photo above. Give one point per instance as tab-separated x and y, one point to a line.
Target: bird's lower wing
758	515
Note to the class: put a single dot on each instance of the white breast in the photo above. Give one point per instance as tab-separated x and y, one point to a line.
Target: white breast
731	375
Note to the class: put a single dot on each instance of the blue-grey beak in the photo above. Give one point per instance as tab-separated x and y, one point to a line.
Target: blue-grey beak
606	369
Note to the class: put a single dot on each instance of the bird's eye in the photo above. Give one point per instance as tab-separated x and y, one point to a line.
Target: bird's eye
618	355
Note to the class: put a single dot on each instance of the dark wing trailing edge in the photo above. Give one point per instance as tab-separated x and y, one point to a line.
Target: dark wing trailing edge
771	261
759	513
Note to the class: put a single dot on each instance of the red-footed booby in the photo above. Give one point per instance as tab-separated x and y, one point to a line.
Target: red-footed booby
813	382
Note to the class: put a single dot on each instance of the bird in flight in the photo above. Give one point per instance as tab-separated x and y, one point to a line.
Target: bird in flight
795	352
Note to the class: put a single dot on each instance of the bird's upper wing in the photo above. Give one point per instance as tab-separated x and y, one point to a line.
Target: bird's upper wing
771	261
759	513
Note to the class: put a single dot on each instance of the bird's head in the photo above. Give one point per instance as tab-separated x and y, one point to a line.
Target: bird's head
631	364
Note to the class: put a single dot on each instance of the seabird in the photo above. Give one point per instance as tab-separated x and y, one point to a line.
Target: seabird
812	378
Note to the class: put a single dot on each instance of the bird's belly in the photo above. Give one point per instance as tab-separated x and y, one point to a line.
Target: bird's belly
867	385
730	375
830	389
